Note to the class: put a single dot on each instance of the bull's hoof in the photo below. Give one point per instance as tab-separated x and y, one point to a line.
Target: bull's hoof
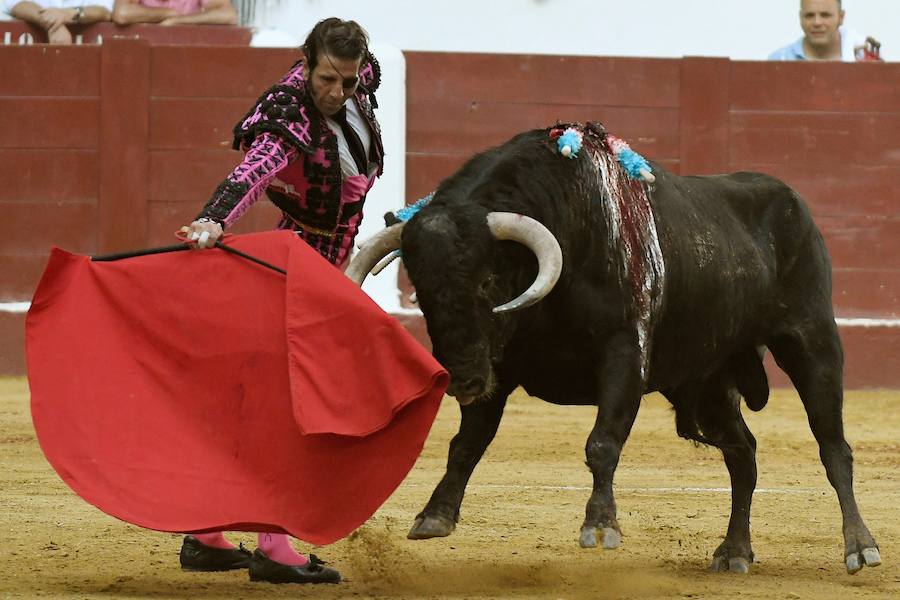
872	557
869	557
722	564
430	527
611	537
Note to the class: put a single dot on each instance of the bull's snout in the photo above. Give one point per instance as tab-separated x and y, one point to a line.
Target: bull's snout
469	388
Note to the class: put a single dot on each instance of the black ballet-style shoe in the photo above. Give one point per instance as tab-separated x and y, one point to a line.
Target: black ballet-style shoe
196	556
263	568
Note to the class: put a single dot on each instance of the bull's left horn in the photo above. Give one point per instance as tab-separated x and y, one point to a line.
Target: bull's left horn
372	251
538	239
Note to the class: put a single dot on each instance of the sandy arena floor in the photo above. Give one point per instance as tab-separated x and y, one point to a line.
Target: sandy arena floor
517	537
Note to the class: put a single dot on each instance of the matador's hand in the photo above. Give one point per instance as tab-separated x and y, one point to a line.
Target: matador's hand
202	233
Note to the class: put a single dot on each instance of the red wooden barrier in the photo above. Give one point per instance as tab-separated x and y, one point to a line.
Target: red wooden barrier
19	33
112	147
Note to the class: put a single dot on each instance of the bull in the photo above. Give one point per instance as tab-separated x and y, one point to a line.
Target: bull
678	286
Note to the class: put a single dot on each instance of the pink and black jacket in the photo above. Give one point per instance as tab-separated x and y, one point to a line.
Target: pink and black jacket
292	156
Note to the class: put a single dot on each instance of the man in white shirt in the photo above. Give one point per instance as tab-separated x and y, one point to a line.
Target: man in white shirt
54	16
825	37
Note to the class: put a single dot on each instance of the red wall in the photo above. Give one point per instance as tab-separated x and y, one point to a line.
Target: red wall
22	33
106	148
831	130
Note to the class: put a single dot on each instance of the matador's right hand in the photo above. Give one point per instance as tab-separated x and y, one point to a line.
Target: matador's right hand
202	233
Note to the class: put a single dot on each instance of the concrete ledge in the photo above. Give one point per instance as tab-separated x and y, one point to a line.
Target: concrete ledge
872	353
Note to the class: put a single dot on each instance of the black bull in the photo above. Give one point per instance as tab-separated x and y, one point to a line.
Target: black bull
745	269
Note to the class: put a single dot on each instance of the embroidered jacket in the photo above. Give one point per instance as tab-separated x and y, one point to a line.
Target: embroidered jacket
292	156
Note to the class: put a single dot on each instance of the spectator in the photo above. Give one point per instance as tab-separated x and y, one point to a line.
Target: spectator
313	146
54	16
825	37
175	12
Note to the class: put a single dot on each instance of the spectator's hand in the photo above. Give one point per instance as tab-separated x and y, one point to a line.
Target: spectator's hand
201	234
169	22
54	18
869	52
60	35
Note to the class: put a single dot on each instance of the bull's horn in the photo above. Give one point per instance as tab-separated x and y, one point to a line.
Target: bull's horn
538	239
372	251
384	262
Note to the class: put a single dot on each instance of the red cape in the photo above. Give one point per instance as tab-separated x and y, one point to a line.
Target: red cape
196	391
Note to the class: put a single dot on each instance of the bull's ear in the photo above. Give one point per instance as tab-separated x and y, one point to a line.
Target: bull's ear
537	238
372	251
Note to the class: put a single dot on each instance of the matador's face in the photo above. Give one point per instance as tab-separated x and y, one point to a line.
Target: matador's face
333	81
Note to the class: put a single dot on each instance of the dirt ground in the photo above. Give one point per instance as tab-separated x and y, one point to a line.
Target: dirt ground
517	537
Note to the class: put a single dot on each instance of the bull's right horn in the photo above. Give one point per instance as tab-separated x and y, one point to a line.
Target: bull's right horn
538	239
372	251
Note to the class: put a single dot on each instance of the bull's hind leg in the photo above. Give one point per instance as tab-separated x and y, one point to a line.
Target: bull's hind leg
710	413
813	359
480	420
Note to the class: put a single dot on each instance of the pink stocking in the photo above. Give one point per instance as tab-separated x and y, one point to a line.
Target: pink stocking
214	539
278	547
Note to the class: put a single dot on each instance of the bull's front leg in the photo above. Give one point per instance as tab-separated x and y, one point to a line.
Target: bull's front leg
480	420
619	396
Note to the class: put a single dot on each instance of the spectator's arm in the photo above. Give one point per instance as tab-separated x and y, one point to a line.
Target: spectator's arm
52	21
93	13
52	18
214	12
129	12
27	11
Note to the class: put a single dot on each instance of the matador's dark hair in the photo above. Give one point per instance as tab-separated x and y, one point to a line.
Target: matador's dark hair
338	38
